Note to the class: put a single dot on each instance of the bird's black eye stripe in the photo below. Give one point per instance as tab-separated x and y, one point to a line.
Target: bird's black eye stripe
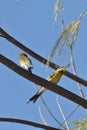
25	55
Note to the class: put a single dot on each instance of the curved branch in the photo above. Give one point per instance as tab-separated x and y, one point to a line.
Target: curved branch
43	82
41	115
25	122
62	113
75	72
38	57
49	111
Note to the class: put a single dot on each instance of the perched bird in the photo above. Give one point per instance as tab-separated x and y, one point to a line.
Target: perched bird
54	78
25	62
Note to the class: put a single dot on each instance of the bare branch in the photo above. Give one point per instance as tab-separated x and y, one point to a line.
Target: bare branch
25	122
48	109
39	58
41	115
62	113
75	73
42	82
73	111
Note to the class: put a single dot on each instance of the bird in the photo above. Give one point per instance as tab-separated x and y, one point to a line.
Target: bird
54	78
25	62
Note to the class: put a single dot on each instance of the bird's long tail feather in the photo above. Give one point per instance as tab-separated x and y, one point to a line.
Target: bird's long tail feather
34	98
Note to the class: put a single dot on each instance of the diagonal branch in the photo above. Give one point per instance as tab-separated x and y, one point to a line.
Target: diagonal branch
42	82
25	122
38	57
50	112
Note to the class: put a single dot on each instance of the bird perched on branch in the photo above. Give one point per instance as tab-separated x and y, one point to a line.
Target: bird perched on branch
54	78
25	62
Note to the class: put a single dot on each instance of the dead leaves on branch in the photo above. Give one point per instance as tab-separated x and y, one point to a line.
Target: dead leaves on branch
67	38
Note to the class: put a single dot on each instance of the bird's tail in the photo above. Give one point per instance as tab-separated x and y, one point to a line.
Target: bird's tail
34	98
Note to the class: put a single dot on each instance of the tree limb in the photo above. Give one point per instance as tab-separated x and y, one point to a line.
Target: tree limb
38	57
25	122
43	82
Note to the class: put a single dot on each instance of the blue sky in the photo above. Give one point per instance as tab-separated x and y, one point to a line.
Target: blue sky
30	22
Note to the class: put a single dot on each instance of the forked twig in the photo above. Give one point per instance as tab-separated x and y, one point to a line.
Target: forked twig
70	115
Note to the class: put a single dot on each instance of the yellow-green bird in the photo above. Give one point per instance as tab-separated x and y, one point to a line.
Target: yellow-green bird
54	78
25	62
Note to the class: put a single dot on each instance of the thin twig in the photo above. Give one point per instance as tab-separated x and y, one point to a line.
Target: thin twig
51	114
72	59
62	113
42	117
50	111
70	115
74	71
